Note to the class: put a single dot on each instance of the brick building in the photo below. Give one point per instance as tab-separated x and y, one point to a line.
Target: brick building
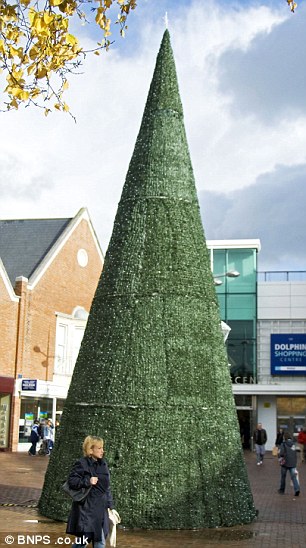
49	270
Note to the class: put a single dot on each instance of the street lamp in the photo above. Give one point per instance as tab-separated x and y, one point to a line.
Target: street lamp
229	274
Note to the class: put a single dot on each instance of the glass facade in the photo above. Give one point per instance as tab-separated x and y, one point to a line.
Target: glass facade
238	306
31	409
291	413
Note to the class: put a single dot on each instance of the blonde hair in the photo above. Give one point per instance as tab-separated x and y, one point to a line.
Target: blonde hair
89	443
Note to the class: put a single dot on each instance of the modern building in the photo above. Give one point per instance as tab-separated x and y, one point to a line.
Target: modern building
49	271
267	342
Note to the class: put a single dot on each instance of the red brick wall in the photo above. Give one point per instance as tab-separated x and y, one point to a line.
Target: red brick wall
64	286
9	314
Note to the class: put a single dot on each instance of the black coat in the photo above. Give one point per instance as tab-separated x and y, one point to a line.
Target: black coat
279	438
288	451
90	516
260	436
34	437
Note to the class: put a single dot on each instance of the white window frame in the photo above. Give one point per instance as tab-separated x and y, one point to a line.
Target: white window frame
66	351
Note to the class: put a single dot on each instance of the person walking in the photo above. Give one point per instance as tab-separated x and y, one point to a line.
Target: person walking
48	436
89	518
302	441
34	438
260	439
288	460
279	437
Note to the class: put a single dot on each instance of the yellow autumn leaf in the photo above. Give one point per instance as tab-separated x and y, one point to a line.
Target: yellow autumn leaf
14	104
55	2
33	53
24	95
15	91
66	84
17	74
57	106
48	18
14	52
40	26
41	73
31	69
35	92
65	107
47	110
32	14
71	40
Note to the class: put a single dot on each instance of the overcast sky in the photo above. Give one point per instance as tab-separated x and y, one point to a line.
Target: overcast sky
242	77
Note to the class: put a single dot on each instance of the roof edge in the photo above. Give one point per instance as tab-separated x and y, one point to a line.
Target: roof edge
59	244
7	283
238	244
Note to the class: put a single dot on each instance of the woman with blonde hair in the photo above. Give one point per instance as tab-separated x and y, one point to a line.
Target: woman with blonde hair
88	519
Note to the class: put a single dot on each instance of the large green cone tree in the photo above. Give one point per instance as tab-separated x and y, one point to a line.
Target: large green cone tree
152	374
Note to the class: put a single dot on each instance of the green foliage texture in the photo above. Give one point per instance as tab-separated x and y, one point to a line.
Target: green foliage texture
152	374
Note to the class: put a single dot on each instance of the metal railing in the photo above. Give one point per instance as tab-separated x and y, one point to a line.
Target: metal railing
281	276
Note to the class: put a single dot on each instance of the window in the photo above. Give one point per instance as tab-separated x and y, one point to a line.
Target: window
69	335
291	413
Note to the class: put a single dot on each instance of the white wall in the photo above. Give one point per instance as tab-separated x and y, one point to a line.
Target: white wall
281	309
266	412
281	300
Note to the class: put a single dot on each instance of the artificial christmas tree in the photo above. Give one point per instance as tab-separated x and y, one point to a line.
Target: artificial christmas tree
152	374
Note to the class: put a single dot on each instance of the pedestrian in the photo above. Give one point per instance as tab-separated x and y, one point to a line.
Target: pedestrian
48	436
34	438
260	439
288	460
89	518
302	441
279	437
40	429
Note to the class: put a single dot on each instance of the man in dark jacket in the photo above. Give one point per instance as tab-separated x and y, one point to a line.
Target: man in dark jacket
34	438
260	439
288	460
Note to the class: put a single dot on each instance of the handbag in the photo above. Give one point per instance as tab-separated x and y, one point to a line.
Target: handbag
77	495
114	519
275	451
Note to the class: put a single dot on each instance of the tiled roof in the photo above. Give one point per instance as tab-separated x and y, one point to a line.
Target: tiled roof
24	244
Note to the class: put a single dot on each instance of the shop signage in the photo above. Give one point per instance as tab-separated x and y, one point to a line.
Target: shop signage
288	354
29	384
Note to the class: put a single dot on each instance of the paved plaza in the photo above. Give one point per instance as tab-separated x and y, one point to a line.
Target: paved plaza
281	519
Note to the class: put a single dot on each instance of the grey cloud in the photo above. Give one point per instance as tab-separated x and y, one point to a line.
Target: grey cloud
269	79
272	209
16	182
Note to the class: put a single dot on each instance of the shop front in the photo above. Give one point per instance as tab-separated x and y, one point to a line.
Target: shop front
46	401
6	392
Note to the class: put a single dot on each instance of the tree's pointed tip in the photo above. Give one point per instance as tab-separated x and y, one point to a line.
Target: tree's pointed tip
166	36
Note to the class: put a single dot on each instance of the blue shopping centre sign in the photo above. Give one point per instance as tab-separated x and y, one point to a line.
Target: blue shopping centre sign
288	354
